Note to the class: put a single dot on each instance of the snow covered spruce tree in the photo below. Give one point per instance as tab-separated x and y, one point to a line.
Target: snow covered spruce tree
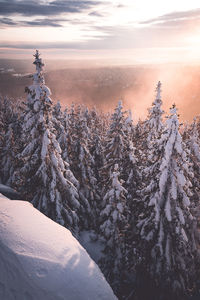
63	137
57	119
167	249
97	135
119	149
7	156
115	141
44	178
82	165
154	122
144	163
9	126
114	218
2	137
117	180
151	127
192	141
116	145
150	156
113	151
131	167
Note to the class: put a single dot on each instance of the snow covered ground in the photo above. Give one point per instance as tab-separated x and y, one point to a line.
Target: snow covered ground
41	260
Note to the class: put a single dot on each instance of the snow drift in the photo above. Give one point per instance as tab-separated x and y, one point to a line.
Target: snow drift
40	259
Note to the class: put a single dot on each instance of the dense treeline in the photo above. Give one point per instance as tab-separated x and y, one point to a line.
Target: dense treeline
135	186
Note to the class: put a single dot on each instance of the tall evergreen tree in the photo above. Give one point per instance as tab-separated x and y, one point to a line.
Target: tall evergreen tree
63	137
57	119
115	141
115	147
97	135
168	247
154	122
114	218
9	125
150	129
150	158
192	141
82	164
145	165
98	129
116	173
45	179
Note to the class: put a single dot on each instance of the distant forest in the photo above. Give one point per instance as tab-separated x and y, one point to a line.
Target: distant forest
102	86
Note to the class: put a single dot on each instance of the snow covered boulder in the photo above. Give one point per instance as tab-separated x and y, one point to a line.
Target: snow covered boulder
41	260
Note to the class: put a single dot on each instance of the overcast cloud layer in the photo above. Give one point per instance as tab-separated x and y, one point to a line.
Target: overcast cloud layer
40	8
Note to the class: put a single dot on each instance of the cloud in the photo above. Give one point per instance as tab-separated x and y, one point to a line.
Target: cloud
39	8
111	38
7	21
37	22
95	14
121	6
117	37
179	24
174	18
43	22
41	45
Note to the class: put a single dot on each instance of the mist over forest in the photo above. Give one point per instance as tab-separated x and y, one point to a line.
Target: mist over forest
95	84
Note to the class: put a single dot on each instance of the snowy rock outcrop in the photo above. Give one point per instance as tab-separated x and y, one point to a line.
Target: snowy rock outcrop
40	259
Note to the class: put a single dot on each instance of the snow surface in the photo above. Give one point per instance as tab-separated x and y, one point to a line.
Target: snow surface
40	259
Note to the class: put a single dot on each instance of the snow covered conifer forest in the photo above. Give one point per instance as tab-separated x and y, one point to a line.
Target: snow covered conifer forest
132	189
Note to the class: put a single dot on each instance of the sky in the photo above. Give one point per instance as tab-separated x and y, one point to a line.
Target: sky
128	31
